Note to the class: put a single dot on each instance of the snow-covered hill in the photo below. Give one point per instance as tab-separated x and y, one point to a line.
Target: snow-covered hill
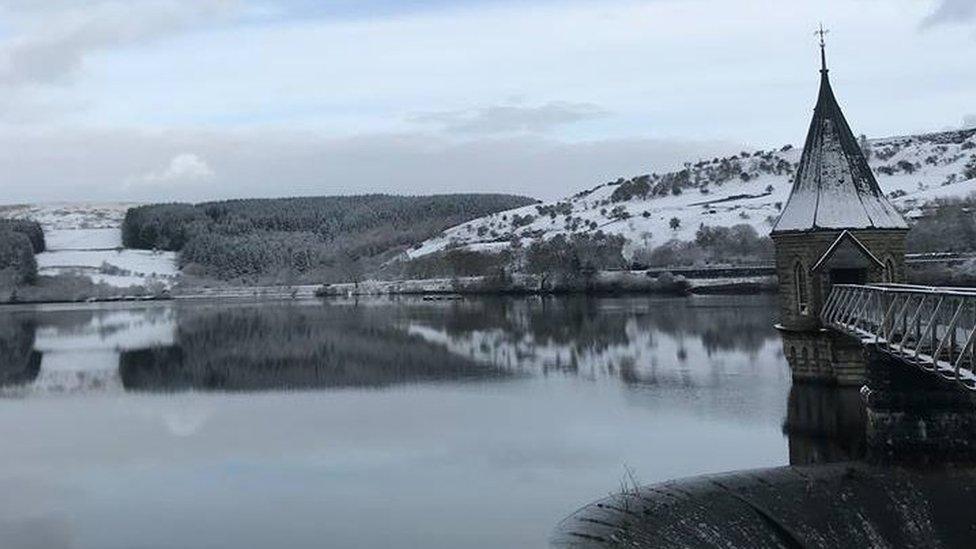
748	188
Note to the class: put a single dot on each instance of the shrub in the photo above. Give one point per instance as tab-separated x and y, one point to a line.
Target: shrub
522	220
969	172
906	166
575	257
673	253
638	187
948	226
732	244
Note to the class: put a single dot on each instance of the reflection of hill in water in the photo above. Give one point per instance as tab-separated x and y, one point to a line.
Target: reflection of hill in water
19	362
275	346
689	342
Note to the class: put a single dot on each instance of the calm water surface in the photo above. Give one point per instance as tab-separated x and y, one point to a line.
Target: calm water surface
478	423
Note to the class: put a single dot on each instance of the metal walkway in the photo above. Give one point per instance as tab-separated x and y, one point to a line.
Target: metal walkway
931	327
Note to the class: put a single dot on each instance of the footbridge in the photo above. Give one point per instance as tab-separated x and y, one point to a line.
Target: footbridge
930	328
919	347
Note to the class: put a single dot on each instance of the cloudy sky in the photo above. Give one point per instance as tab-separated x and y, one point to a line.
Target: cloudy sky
200	99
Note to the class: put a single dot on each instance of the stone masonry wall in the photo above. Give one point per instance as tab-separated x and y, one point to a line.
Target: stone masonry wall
808	247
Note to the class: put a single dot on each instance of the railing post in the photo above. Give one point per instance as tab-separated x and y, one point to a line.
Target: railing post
904	319
948	336
952	334
929	330
972	352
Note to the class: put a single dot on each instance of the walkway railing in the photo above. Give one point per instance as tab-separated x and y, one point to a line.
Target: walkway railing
933	328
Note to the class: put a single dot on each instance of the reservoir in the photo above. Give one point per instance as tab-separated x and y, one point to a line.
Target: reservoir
373	423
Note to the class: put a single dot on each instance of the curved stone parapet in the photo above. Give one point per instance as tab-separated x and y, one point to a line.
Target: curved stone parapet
839	505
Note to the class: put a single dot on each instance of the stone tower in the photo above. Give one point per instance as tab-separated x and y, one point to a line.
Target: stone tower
836	228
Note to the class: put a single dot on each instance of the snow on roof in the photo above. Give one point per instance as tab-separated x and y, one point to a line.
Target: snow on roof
834	186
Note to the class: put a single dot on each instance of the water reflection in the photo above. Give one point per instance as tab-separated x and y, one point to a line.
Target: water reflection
291	347
825	424
445	418
19	362
265	346
701	342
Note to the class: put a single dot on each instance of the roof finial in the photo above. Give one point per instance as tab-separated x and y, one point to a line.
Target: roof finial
822	32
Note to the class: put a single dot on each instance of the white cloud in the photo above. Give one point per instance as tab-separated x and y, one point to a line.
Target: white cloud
497	119
48	42
951	11
969	121
182	169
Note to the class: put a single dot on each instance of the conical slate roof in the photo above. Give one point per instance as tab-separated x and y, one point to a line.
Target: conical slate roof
834	186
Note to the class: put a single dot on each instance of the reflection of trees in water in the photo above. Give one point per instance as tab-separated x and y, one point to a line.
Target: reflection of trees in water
68	321
513	332
721	324
101	322
825	424
576	322
291	346
614	336
19	362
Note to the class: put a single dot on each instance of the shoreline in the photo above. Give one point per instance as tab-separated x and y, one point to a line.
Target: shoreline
604	284
601	284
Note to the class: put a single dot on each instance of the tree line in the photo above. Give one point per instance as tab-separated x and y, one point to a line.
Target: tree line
562	263
329	237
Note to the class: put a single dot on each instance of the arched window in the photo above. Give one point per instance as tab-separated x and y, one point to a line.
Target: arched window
800	280
889	271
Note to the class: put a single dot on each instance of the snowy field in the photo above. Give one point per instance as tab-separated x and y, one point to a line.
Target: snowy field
122	268
83	239
87	240
71	216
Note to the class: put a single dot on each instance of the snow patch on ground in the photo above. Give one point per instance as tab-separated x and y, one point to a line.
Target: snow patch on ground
86	240
83	239
141	262
71	216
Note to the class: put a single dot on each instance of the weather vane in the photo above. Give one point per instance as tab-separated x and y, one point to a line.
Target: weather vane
822	33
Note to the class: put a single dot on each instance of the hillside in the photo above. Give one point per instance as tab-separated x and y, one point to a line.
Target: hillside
304	238
749	188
